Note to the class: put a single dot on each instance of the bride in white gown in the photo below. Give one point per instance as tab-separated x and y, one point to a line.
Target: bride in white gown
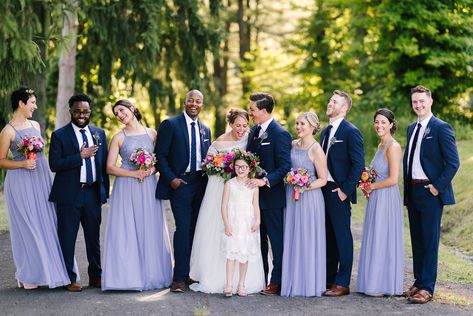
207	263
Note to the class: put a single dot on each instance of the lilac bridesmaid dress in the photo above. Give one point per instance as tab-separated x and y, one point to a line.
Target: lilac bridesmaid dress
32	218
137	252
381	267
304	259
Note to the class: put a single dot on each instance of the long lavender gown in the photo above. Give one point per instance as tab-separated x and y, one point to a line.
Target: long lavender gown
304	261
137	253
33	223
381	267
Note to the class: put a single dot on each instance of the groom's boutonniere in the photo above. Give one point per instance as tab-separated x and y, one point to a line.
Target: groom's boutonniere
96	137
263	136
202	132
426	132
334	140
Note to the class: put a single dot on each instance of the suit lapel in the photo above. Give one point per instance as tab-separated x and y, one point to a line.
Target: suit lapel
72	137
185	133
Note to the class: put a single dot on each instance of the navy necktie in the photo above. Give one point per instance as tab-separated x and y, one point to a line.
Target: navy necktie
88	162
326	138
256	135
193	149
412	150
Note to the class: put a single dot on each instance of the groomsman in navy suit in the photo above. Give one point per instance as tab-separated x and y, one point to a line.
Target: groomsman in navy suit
430	163
181	145
343	144
78	154
272	144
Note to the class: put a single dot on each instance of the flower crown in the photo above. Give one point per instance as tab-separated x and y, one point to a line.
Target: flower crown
253	162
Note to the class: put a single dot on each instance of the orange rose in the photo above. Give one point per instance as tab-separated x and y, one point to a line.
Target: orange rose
364	176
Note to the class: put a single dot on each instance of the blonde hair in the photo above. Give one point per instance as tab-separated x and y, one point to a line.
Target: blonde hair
346	97
313	121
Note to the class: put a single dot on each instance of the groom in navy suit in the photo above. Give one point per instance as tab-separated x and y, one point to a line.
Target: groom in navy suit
78	155
343	144
430	163
181	145
272	144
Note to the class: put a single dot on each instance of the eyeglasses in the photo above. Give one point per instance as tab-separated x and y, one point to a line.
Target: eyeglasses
80	113
241	167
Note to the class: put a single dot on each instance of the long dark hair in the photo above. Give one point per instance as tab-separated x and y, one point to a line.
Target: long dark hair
389	115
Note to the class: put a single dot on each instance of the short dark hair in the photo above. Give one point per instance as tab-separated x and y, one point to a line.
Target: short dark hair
263	101
21	94
387	113
421	89
79	98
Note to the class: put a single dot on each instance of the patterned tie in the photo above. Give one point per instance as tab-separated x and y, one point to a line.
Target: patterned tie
193	149
412	150
326	137
88	162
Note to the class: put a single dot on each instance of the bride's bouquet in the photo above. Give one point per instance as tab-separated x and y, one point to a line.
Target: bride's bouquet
298	178
220	164
143	159
29	146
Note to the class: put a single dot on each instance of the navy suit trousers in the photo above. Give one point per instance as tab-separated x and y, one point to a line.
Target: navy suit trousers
272	227
425	214
185	204
338	237
86	209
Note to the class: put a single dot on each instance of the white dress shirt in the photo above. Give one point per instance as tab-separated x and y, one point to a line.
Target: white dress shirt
417	171
197	143
90	140
264	126
335	124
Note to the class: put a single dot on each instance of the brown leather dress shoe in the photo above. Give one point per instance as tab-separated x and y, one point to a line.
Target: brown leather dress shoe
328	286
271	290
190	281
74	287
178	286
337	290
421	297
411	291
95	282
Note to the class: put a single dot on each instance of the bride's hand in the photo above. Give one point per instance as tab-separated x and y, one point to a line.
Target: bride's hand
255	227
228	230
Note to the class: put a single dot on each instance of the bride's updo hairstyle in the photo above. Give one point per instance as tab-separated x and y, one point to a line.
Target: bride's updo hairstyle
233	114
313	120
129	106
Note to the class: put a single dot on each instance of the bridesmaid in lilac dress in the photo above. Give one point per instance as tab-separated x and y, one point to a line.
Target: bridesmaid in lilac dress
137	253
35	244
381	267
303	267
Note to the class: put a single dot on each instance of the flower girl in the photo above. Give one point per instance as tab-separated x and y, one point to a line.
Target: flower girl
241	218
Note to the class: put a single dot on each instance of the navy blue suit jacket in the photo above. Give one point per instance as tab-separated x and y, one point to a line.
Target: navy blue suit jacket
65	161
345	159
438	157
274	152
172	151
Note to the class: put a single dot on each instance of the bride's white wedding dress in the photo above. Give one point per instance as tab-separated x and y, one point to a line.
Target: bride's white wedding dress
207	263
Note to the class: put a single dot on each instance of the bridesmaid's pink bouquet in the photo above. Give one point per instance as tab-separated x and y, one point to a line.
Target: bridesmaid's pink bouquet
143	159
368	176
29	146
298	178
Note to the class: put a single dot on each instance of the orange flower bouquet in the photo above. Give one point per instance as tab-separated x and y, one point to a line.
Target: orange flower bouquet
29	146
368	176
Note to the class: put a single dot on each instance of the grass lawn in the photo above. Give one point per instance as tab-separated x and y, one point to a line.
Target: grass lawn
3	214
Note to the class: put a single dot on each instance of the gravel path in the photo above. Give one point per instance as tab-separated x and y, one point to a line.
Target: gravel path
91	301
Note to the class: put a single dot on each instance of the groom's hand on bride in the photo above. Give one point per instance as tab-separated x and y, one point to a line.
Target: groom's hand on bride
342	196
177	182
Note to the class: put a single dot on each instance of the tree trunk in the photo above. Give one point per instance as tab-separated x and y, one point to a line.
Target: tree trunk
245	42
67	68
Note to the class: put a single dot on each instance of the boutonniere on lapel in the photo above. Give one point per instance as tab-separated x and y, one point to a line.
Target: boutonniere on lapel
334	140
426	132
96	138
202	132
262	137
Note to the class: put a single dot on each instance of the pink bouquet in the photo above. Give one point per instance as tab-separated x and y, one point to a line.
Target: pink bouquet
298	178
143	159
29	146
220	164
368	176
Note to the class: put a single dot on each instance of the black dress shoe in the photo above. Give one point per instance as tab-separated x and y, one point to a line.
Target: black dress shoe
190	281
95	282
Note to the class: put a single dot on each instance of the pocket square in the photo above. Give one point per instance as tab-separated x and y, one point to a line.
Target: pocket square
206	140
337	141
264	144
429	137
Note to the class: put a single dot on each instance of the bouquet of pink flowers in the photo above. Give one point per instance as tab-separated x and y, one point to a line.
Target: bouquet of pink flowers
143	159
298	178
368	176
29	146
220	164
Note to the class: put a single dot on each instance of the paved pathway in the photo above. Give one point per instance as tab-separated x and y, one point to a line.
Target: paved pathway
91	301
